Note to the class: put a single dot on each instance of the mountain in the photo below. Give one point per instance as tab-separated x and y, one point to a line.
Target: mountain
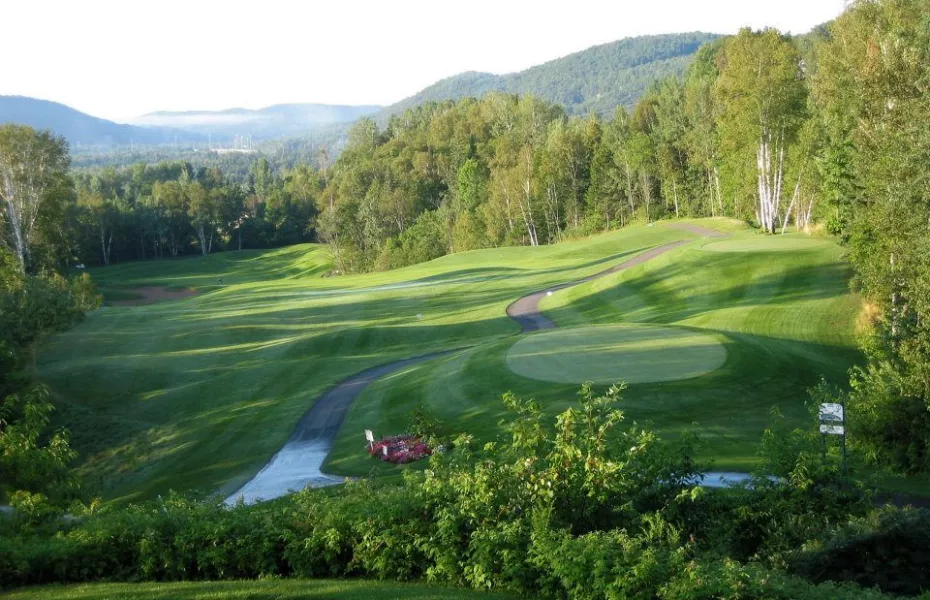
80	128
278	121
594	80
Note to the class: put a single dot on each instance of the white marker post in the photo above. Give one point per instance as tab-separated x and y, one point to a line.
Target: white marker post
833	422
371	439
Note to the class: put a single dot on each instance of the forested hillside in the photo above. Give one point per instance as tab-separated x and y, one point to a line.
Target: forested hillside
596	80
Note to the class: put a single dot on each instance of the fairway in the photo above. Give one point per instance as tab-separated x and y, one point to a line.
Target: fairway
616	353
200	393
775	243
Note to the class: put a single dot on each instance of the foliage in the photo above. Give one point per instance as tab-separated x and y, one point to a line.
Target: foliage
29	458
886	549
33	188
736	581
871	85
579	508
31	307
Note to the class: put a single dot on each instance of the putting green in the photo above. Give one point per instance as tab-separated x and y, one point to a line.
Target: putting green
768	243
616	353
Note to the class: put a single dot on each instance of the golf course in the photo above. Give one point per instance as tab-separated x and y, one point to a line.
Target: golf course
711	326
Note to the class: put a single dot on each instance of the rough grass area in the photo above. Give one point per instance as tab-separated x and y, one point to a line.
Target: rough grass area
616	353
281	589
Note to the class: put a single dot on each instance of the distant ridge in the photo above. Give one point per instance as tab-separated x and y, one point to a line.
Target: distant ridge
594	80
277	121
80	128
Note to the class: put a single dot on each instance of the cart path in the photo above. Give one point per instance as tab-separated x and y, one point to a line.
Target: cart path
713	233
525	311
298	464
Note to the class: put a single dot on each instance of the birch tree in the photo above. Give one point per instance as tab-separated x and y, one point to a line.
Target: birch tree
103	216
762	94
32	165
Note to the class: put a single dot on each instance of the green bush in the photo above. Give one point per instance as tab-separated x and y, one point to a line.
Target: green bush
886	549
581	507
730	580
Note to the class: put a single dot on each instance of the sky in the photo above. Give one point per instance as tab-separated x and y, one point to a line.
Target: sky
120	59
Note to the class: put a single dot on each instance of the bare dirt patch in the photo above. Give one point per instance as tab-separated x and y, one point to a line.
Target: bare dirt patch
153	294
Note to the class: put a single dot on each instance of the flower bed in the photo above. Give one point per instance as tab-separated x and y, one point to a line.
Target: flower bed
401	449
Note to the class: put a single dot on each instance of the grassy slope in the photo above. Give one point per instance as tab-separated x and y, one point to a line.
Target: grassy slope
786	318
200	393
282	589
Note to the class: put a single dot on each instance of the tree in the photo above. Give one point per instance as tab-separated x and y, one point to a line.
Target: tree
103	215
871	87
701	110
761	93
204	214
33	169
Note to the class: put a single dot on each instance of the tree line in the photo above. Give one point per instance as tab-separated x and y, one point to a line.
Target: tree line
728	139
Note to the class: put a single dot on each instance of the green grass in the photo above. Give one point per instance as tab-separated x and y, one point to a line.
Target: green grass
279	589
785	319
233	268
614	353
199	393
779	243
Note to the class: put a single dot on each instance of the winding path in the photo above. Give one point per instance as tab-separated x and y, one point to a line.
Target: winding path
525	311
711	233
298	464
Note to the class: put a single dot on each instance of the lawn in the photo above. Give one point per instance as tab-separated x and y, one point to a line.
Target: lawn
199	393
609	354
784	316
214	271
280	589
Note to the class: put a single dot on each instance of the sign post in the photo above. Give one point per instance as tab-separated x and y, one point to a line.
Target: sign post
833	422
371	439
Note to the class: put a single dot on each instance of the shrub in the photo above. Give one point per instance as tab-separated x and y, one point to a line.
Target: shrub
886	549
730	580
581	507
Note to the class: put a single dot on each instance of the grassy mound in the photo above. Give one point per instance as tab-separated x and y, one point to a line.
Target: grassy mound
606	355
